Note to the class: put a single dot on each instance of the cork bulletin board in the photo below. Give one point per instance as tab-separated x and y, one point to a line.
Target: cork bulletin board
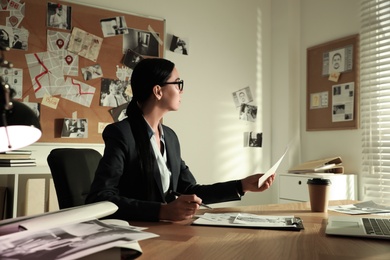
34	22
332	96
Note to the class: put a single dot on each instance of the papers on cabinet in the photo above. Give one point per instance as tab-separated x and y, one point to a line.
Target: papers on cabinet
365	207
326	165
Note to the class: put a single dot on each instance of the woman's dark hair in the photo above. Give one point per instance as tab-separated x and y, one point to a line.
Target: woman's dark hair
146	74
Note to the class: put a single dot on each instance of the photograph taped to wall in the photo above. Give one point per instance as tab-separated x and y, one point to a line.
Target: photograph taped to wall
339	60
248	112
20	39
131	58
113	93
92	72
114	26
179	45
343	102
242	96
59	16
142	42
119	113
6	36
253	139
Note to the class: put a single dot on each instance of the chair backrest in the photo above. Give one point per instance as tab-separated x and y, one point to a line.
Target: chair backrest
73	170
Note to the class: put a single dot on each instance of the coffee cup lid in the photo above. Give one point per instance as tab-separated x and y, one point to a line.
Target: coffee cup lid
319	181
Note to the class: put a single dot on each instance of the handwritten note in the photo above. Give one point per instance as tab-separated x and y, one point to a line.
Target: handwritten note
50	101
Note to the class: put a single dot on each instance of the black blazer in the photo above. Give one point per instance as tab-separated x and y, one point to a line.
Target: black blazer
118	177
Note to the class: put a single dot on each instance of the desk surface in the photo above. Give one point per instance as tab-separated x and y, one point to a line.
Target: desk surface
183	241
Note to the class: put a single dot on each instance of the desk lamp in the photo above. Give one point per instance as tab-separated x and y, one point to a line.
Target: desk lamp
19	126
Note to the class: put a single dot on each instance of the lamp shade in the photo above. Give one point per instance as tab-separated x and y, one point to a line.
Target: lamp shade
20	128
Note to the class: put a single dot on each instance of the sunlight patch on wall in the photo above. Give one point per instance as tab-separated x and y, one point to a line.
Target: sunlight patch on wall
233	159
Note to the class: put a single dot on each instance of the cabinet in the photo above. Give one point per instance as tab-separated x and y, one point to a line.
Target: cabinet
14	179
293	187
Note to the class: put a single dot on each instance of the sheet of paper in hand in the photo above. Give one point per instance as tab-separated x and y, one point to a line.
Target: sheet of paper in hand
272	170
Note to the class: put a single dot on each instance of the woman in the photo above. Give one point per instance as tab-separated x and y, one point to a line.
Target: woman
142	161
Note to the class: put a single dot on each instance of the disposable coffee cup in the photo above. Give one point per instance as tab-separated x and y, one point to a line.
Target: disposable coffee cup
319	194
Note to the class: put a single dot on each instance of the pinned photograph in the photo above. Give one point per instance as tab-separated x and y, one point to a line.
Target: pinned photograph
59	16
6	36
113	93
179	45
248	112
114	26
252	139
131	58
92	72
20	39
142	42
75	128
119	113
242	96
337	61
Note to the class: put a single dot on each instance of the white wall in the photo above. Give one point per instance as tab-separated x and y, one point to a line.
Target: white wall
323	21
319	21
285	87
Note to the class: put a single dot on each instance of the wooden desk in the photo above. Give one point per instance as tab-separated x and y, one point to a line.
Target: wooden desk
183	241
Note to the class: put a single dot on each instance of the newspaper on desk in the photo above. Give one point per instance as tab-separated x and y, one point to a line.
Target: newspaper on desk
71	241
69	233
249	221
366	207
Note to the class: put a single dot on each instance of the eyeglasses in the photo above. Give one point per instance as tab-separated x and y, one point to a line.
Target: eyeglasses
179	83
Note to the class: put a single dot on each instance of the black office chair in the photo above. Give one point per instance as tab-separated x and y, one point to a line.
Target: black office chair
73	170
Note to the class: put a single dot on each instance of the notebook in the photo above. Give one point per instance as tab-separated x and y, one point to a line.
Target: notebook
359	226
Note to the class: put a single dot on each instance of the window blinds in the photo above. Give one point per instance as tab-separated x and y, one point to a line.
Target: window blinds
375	99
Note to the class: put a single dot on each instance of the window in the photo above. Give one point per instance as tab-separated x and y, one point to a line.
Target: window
375	99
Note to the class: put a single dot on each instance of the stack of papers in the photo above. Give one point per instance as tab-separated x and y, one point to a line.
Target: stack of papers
69	233
247	220
327	165
366	207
